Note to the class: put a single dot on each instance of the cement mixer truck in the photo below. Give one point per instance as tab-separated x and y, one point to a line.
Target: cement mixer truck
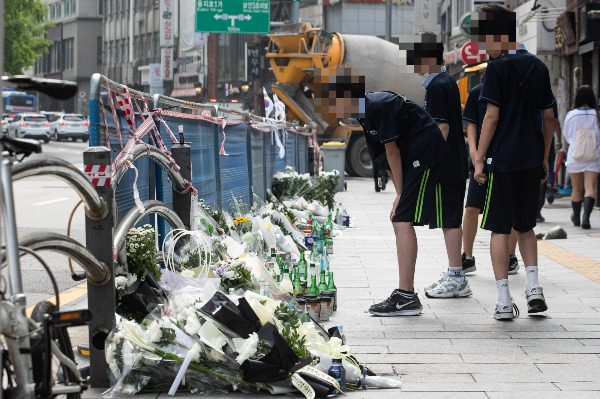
296	50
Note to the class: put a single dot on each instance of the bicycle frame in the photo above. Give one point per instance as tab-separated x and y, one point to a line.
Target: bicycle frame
13	322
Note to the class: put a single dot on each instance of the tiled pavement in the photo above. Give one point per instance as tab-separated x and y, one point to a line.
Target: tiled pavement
455	349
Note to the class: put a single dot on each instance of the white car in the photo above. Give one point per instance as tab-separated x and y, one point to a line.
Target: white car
70	126
30	125
6	119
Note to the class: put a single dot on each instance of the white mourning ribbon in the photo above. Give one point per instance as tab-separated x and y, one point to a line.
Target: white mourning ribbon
275	134
304	387
136	193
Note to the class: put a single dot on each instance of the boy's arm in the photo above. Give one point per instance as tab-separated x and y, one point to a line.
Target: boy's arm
395	161
548	129
472	140
558	133
445	128
490	121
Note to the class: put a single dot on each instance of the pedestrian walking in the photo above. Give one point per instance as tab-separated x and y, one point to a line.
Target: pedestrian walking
442	102
403	139
546	190
512	156
582	133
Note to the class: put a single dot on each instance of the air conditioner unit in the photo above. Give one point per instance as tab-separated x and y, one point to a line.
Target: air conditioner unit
139	17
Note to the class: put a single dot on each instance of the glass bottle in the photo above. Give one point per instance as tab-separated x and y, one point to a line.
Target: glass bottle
328	227
297	283
281	266
331	287
345	218
325	262
338	372
338	216
313	285
312	270
322	283
302	266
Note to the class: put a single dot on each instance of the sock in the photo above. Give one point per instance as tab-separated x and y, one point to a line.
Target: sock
503	292
532	275
456	273
468	257
405	294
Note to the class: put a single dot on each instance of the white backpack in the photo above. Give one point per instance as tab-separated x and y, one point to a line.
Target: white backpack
585	148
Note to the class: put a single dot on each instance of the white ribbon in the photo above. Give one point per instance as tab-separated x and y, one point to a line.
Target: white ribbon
136	193
275	132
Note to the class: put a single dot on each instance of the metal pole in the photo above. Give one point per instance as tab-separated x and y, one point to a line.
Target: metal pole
388	20
101	299
182	202
1	53
295	12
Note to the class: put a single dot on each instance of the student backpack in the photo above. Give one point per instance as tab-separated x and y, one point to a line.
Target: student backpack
585	148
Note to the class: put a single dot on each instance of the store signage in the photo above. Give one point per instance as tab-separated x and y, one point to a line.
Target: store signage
166	64
465	24
252	61
469	53
167	38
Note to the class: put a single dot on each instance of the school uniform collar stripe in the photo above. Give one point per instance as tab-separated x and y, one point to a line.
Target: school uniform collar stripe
521	47
432	76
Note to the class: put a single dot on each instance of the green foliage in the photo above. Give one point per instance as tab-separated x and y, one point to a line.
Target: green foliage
288	316
24	27
140	252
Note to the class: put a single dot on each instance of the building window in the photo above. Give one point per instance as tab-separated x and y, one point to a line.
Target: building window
117	7
67	8
101	7
73	7
69	46
58	10
156	44
52	12
231	57
149	46
53	50
99	50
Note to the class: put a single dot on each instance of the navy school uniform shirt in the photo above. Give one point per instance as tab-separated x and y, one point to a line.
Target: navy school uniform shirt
442	102
517	144
475	111
388	119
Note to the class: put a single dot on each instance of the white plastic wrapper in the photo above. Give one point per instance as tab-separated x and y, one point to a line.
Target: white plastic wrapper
296	235
267	233
317	209
235	249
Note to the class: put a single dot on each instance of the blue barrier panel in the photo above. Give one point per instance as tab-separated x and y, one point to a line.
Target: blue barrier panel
270	154
290	150
235	181
279	163
124	191
302	154
199	135
257	143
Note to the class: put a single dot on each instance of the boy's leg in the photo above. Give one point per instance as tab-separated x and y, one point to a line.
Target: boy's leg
448	216
470	220
513	262
473	206
406	248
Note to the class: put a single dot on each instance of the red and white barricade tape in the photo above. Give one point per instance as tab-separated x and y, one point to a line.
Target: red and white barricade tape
98	175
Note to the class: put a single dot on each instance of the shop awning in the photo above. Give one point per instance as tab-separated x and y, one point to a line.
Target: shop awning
191	92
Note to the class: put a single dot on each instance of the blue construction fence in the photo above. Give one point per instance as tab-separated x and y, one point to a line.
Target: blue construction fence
248	168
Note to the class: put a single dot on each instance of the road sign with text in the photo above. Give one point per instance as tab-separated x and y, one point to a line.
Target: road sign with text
470	53
233	16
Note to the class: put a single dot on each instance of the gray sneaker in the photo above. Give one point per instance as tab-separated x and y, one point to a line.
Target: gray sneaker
513	265
450	288
506	311
443	277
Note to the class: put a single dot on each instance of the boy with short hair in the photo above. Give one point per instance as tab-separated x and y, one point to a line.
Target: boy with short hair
512	156
442	102
404	139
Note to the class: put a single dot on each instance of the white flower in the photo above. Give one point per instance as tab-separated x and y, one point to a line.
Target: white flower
120	282
131	279
192	325
248	349
187	273
119	270
196	349
153	333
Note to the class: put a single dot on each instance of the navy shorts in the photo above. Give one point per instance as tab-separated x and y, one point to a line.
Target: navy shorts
475	193
512	200
448	205
418	194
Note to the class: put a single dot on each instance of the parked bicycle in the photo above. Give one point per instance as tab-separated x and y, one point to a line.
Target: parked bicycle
35	352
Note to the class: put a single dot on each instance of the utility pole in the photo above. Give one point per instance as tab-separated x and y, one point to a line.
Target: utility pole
295	11
388	20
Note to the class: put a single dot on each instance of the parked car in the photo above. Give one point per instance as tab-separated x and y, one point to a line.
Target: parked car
30	125
51	116
70	126
6	119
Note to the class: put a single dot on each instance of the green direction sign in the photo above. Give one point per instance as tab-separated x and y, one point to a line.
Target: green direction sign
465	24
233	16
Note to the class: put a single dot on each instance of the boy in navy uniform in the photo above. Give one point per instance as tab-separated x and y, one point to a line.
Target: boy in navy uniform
404	139
442	102
512	156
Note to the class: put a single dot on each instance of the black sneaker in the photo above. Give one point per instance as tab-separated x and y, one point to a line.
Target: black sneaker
513	265
397	305
539	218
549	194
468	265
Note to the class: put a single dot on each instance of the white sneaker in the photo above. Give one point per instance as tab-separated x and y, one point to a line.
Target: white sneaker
506	311
536	302
450	288
431	286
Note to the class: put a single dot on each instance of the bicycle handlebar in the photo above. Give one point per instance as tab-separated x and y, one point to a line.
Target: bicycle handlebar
59	89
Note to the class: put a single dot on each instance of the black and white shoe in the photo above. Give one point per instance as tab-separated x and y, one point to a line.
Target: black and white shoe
513	265
506	311
468	265
536	302
397	305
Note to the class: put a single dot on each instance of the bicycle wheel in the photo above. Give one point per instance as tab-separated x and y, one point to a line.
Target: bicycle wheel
60	373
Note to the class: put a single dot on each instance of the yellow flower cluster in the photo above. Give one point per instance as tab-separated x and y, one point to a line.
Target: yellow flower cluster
242	219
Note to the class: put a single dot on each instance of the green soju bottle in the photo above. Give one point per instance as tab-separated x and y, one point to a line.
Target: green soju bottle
331	287
297	283
302	267
328	227
322	283
281	266
313	285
